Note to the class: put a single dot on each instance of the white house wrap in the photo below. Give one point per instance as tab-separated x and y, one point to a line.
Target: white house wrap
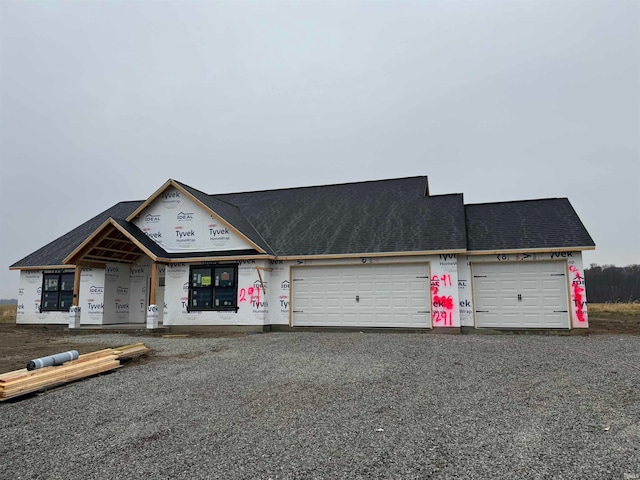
369	254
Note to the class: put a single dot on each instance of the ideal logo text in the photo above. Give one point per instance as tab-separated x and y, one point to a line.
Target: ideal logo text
184	217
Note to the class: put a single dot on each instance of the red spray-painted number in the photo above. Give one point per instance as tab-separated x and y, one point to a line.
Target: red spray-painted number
443	317
249	294
578	291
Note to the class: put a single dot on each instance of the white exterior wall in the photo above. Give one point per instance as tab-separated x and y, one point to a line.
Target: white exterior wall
116	294
102	291
575	276
138	280
178	224
577	291
278	291
29	298
272	307
253	304
91	298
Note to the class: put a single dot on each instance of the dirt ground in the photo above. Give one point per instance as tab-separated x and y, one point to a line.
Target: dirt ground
20	344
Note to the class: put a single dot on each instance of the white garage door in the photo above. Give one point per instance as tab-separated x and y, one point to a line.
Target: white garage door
520	295
361	296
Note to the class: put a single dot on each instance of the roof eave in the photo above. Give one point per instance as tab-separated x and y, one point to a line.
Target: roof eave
530	250
374	254
40	267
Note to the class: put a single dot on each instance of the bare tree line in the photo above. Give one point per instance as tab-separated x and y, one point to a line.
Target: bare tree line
611	284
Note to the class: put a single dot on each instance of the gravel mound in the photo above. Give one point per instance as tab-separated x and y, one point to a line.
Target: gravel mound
340	405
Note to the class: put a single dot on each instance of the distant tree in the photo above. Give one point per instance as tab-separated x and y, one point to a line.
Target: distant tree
609	283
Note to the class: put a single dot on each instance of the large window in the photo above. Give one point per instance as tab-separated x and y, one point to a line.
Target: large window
213	287
57	292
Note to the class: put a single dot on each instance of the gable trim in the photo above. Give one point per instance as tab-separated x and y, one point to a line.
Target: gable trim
98	232
150	200
176	185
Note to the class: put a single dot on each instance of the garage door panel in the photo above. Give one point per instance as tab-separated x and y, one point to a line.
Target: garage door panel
552	302
334	302
366	303
552	284
531	320
383	303
529	295
388	295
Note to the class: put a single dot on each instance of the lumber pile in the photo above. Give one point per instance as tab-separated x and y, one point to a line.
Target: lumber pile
23	381
127	352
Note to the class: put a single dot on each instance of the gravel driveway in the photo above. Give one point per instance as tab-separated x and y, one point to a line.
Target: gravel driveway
341	406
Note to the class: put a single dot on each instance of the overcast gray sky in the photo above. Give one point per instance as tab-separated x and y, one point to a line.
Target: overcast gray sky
499	100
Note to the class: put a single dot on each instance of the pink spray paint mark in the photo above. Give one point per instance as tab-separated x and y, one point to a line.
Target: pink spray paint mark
251	294
578	290
442	304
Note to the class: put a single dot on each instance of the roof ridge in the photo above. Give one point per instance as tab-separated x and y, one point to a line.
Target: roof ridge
321	186
516	201
210	195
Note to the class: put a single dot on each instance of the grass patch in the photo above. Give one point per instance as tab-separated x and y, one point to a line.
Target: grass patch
8	313
614	310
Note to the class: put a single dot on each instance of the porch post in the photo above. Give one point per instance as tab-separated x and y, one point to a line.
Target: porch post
152	309
74	311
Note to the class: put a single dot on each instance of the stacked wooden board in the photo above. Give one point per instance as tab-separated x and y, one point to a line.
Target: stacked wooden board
21	382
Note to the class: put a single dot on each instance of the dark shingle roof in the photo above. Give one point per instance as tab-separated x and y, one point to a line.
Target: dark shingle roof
528	224
141	237
381	216
55	252
365	217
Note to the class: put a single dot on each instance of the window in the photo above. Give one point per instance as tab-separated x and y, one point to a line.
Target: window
57	292
213	287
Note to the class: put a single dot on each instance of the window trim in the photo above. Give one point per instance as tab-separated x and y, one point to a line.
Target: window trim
212	288
59	291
